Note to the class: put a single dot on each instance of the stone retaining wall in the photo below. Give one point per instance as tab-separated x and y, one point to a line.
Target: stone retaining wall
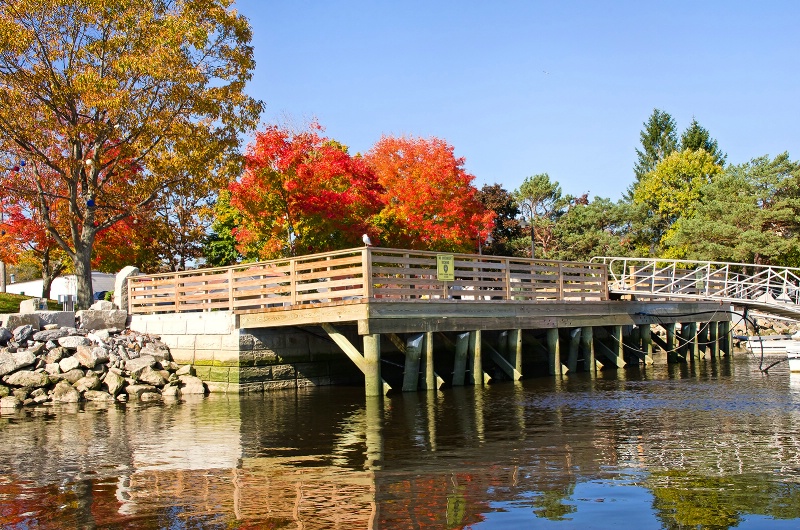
230	359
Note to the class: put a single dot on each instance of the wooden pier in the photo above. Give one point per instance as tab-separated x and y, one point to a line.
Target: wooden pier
481	310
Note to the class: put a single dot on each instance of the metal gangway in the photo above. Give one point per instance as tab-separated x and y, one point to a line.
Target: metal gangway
764	288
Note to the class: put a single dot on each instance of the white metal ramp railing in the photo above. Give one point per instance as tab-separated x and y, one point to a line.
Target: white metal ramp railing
767	288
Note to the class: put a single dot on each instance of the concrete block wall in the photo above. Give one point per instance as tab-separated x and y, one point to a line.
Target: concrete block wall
234	360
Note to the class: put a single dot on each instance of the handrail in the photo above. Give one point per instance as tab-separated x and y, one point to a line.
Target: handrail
369	273
714	280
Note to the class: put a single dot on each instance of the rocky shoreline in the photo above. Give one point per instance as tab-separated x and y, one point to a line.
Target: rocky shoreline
60	364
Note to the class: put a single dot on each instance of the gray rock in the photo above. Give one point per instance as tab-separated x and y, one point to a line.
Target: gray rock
135	392
57	319
20	393
14	320
5	336
55	354
99	337
88	382
170	391
102	305
186	369
93	319
69	363
192	385
65	393
31	305
10	402
23	333
98	395
160	354
135	366
27	378
150	396
37	348
52	368
91	356
72	342
114	383
13	361
151	377
51	334
73	375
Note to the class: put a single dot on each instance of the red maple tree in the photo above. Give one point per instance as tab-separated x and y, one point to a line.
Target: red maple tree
430	201
302	193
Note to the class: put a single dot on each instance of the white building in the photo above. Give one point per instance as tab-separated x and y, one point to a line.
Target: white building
101	282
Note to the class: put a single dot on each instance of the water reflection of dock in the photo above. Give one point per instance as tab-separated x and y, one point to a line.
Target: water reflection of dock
318	459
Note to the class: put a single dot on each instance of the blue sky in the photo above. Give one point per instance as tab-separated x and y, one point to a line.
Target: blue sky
520	88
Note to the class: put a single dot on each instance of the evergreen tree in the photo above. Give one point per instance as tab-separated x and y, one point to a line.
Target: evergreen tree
697	137
659	140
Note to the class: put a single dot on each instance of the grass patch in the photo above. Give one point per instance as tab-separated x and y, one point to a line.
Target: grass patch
9	303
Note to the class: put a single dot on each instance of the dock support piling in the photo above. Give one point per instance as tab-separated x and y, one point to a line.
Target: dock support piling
460	363
373	384
414	345
476	367
672	352
618	346
554	352
713	339
587	344
515	349
431	381
647	343
574	345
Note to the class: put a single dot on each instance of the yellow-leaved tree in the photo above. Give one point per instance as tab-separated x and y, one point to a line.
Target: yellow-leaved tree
106	105
670	193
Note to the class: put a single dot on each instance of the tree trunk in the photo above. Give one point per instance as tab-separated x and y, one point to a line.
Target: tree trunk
50	273
82	261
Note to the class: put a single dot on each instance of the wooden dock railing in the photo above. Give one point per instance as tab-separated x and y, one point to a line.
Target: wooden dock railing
368	273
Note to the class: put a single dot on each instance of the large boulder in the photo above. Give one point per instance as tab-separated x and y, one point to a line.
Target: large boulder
50	334
14	320
31	305
152	377
10	403
135	392
28	379
23	333
73	375
98	395
65	393
91	356
61	319
73	341
114	382
88	382
69	363
11	362
192	385
136	366
92	319
5	336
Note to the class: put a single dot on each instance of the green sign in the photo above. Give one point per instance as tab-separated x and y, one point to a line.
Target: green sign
444	268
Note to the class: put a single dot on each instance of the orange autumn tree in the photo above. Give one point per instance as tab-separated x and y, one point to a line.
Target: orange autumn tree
430	202
301	193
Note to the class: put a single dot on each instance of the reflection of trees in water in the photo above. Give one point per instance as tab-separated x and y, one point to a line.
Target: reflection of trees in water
687	499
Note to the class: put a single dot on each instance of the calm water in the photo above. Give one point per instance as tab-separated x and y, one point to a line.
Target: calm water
714	445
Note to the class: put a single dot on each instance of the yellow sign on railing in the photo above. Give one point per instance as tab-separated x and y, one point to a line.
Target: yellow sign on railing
445	268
